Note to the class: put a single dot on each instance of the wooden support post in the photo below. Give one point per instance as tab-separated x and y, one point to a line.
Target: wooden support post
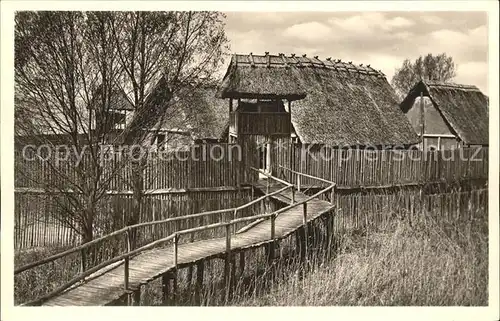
174	272
200	267
422	119
239	173
273	226
304	214
242	263
232	277
190	268
298	182
236	121
270	248
165	284
126	263
329	235
83	260
301	246
227	261
270	159
137	297
421	199
126	273
304	222
176	249
235	215
293	194
174	286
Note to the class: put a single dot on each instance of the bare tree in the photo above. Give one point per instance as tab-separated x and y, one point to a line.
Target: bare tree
164	55
69	66
65	68
431	67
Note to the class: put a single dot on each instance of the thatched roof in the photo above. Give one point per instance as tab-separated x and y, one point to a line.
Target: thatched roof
199	112
344	104
464	108
118	99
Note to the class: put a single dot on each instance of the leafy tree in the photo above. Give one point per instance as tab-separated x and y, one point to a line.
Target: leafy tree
431	67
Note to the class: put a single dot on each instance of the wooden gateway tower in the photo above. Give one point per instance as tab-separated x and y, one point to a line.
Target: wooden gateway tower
261	90
277	99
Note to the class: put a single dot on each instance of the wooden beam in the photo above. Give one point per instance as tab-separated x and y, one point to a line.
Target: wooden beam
438	135
422	119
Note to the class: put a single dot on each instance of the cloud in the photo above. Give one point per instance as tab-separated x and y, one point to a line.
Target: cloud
474	72
358	24
468	45
382	39
309	31
370	23
245	42
386	63
399	22
433	20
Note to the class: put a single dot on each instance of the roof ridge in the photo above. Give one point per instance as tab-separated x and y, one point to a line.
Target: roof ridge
282	60
450	85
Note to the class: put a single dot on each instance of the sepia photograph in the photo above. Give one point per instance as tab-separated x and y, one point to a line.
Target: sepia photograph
220	158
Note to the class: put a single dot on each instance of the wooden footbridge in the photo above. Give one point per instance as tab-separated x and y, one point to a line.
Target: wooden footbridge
122	275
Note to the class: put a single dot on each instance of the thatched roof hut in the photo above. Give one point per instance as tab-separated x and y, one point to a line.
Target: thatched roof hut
118	100
338	103
463	108
197	113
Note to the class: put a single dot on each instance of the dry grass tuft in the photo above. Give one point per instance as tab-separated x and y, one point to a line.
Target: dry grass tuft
420	265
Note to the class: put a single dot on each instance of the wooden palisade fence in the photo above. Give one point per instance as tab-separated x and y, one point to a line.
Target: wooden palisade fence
354	168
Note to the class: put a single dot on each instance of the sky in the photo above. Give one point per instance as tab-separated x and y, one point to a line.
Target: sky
381	39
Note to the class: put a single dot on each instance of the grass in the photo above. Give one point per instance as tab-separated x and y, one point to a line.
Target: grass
39	281
421	265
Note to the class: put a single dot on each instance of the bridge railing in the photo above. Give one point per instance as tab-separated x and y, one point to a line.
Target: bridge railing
298	180
228	225
103	251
